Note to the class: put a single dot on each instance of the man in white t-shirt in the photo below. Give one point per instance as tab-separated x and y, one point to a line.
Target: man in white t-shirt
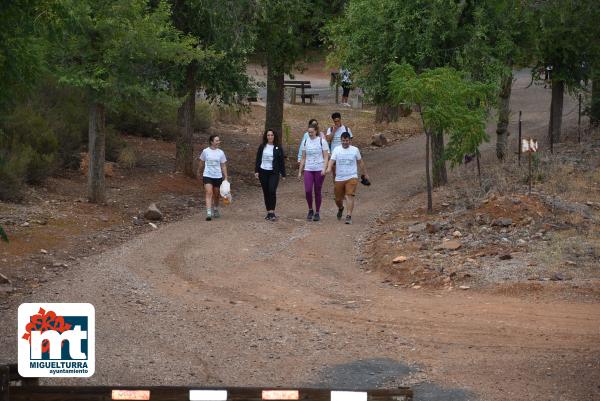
334	133
346	159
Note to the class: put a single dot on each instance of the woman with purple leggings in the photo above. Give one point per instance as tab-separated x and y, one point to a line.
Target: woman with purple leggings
315	155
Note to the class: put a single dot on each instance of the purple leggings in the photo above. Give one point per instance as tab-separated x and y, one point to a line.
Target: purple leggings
313	178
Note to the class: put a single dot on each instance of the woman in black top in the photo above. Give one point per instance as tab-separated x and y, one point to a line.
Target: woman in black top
270	163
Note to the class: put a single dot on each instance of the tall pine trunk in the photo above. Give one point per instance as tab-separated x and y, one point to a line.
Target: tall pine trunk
275	93
595	106
556	108
439	173
386	113
503	117
97	152
184	154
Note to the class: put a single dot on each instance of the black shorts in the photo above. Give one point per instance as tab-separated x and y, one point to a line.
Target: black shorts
346	90
215	182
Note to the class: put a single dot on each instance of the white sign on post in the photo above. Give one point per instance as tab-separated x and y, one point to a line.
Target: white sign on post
529	145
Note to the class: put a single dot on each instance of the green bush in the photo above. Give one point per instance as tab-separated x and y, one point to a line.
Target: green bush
3	235
146	120
27	133
68	117
203	116
13	170
114	144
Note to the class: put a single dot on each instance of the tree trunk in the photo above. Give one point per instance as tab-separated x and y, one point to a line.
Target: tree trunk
595	106
439	173
558	89
503	118
275	92
184	154
427	174
386	113
97	151
427	158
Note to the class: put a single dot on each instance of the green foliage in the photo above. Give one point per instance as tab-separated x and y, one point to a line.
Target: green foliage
27	133
374	33
114	144
203	116
116	51
284	32
480	38
22	49
3	235
223	32
147	119
567	39
449	103
13	170
498	35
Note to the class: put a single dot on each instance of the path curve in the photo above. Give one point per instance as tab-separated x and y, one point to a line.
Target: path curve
241	301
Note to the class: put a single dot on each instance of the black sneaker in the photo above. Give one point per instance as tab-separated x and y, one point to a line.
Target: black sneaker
340	213
268	216
316	217
310	214
208	217
274	217
348	219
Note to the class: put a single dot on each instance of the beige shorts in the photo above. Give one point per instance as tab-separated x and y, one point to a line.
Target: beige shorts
343	188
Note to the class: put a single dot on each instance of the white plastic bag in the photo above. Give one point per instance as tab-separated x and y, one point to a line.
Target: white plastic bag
225	188
225	191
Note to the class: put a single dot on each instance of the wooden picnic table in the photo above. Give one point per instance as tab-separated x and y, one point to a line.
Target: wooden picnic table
302	85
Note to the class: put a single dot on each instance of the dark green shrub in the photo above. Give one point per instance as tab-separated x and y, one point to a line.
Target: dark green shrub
13	170
114	144
67	115
26	132
146	120
203	116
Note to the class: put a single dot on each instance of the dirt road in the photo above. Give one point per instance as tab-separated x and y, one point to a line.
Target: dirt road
240	301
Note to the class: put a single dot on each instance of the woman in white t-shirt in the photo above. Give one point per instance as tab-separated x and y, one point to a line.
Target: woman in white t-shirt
212	164
301	146
313	163
269	165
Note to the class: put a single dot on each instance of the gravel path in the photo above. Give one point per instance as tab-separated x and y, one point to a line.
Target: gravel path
239	301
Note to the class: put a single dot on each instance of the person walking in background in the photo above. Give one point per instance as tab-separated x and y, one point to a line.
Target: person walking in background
346	84
346	158
212	164
334	134
313	163
305	136
269	165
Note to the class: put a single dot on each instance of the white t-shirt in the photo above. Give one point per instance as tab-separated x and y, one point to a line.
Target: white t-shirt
267	157
337	135
346	162
314	153
301	147
212	159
